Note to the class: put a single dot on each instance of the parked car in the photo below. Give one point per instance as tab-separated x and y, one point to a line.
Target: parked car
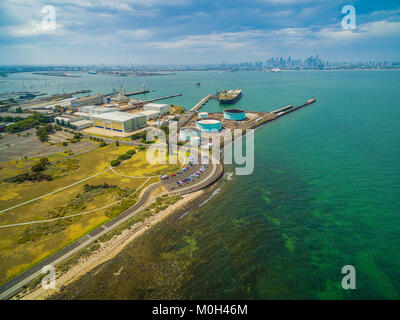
164	177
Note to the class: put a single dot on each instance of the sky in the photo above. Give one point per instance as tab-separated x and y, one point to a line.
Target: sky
158	32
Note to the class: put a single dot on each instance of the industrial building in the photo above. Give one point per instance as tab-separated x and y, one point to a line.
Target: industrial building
234	114
119	121
162	108
62	120
95	109
87	101
82	124
209	125
150	114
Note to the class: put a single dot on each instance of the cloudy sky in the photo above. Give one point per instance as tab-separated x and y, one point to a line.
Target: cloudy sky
195	31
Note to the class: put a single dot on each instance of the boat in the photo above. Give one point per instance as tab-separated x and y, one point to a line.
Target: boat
92	72
230	96
198	84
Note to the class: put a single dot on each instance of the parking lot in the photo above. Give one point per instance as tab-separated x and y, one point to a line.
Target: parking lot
172	182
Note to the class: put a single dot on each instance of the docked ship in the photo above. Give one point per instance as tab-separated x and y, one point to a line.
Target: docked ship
230	96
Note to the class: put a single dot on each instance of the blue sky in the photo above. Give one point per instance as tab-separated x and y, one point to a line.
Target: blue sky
200	31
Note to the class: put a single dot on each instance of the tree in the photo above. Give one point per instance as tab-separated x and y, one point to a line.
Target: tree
49	128
115	163
117	143
41	165
42	134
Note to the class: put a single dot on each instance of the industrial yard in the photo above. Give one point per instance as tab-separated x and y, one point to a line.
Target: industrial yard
80	164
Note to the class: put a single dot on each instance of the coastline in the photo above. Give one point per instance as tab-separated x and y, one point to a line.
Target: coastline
116	244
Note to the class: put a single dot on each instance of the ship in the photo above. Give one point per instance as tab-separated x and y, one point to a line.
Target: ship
230	96
198	84
92	72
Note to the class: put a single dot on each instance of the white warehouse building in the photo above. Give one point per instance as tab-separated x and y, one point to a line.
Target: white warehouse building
119	121
150	114
162	108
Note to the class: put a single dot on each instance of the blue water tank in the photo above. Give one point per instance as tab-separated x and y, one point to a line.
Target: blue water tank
234	114
209	125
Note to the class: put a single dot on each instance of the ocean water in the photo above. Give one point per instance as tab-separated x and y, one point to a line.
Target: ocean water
324	194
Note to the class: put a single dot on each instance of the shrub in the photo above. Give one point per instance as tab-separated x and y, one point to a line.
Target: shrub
115	163
103	144
131	152
124	157
65	143
37	167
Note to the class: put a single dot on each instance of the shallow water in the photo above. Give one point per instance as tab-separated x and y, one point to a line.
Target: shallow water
324	194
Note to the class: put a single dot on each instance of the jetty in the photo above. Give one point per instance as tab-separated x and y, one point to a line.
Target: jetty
201	103
136	92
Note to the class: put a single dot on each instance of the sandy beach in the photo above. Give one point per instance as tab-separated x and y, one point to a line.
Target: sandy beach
111	248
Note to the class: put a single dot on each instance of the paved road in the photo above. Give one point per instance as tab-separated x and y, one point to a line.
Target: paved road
13	286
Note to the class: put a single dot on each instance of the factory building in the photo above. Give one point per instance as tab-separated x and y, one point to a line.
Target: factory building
162	108
61	120
119	121
150	114
95	109
87	101
82	124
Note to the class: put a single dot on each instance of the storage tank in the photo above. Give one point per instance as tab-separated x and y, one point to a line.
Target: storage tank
195	141
209	125
203	115
185	134
234	114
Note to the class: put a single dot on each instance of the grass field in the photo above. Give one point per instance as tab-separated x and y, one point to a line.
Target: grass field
23	246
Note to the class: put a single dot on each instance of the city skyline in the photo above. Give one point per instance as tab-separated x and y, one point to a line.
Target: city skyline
179	32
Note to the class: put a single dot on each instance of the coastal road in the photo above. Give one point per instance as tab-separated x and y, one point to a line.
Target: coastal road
12	287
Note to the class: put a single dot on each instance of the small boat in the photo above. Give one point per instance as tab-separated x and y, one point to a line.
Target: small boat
197	84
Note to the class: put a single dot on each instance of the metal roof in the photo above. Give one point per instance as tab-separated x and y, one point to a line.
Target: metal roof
117	116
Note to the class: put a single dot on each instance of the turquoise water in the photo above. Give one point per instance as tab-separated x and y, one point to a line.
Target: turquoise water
324	194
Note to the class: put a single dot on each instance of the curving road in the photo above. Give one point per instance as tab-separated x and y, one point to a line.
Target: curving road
12	287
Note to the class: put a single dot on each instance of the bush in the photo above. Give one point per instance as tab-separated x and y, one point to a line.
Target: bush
115	163
77	136
29	176
42	134
49	128
131	152
103	144
41	165
123	157
65	143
